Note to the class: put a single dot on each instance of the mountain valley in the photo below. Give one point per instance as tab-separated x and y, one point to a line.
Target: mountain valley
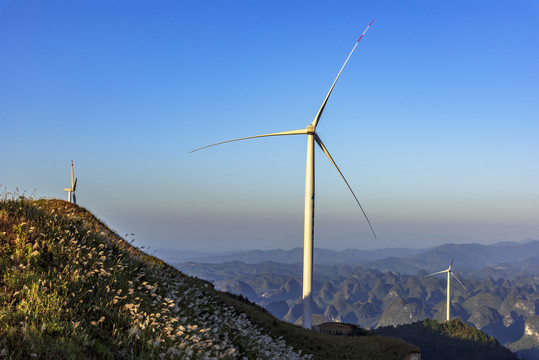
502	280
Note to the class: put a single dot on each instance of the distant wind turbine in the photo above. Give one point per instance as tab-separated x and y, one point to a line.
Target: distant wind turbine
71	191
308	234
449	273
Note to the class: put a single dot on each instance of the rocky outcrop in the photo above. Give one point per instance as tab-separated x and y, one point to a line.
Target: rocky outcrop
531	327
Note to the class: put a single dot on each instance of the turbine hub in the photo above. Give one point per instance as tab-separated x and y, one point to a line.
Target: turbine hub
310	129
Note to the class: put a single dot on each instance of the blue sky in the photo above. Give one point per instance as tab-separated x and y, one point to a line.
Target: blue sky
434	121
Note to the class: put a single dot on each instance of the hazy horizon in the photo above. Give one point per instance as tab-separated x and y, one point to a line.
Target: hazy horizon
237	250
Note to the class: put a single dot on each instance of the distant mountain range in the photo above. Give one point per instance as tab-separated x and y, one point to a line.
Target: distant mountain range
322	256
506	256
523	256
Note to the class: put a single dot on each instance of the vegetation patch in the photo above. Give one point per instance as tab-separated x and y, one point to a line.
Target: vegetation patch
449	340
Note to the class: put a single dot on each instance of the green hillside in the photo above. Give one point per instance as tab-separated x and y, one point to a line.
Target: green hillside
449	340
71	288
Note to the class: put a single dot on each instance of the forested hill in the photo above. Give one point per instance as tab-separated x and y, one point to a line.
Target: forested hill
449	340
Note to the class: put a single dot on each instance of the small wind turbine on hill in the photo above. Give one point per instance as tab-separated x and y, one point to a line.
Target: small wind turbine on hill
71	191
308	234
449	273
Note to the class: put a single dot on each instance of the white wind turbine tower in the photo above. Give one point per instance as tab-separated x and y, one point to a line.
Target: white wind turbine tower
449	273
71	191
310	131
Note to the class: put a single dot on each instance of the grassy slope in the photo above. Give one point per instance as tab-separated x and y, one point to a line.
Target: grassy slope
321	345
70	288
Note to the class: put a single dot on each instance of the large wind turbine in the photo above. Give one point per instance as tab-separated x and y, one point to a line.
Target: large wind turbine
71	191
449	273
312	137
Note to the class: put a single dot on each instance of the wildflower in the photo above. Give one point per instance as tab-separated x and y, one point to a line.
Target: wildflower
134	331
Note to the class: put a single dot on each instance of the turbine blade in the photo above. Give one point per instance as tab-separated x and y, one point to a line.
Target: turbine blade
321	110
436	273
75	185
451	264
319	141
291	132
74	199
455	276
72	174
